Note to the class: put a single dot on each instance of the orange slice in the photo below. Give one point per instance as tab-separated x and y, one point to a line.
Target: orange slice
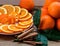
26	22
14	28
11	20
27	17
3	19
14	14
9	8
0	31
0	24
24	27
3	11
5	29
17	9
23	13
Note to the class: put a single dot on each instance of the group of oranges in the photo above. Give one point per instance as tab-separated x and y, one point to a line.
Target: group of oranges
50	16
14	19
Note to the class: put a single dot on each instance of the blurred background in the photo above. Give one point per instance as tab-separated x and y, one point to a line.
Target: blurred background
16	2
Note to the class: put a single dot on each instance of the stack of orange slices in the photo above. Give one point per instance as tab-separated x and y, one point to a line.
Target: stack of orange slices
14	19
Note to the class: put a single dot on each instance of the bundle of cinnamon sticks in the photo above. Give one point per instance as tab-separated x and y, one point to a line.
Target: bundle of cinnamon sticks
27	37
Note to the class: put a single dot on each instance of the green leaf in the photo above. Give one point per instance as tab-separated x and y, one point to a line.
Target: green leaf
36	17
43	39
52	34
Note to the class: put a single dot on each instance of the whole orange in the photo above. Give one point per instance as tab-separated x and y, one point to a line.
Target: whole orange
54	9
46	22
58	24
44	11
27	4
48	2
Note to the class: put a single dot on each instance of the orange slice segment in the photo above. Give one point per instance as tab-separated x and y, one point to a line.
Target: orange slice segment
14	28
27	17
23	13
26	22
5	29
9	8
3	11
17	9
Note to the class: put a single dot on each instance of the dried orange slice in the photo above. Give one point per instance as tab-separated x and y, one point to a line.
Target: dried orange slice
26	22
4	19
17	9
9	8
0	24
3	11
27	17
4	28
23	13
11	20
0	29
14	28
24	27
14	14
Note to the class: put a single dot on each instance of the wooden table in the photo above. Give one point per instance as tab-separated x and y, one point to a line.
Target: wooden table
8	41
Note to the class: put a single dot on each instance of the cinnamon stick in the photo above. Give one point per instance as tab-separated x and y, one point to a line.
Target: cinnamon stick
32	42
29	35
25	33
